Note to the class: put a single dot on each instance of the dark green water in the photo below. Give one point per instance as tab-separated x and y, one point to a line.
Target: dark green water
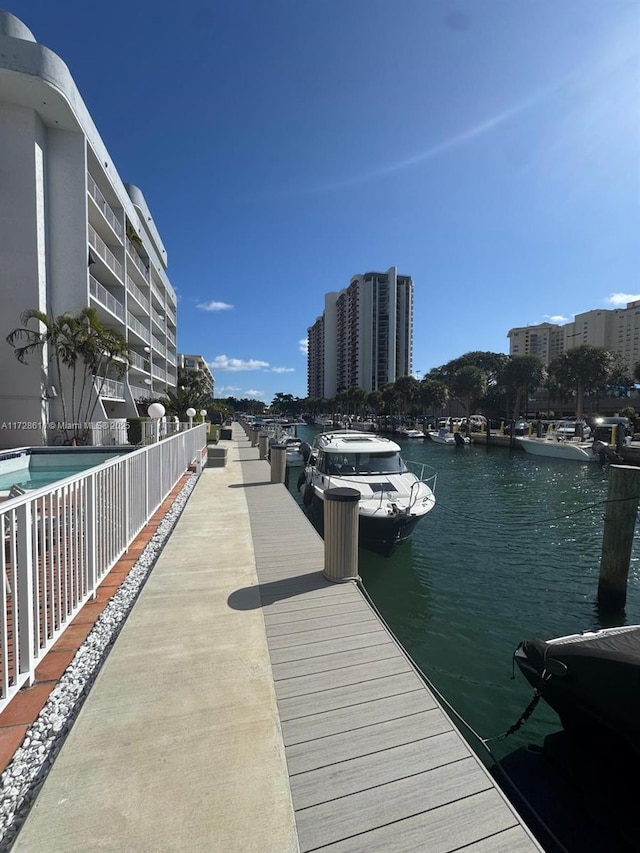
511	551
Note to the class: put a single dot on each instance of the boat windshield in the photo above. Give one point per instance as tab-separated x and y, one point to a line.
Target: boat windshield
365	463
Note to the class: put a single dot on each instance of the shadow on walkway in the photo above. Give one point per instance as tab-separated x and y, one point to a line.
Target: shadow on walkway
269	593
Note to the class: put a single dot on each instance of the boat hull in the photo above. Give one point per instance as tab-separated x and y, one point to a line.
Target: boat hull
576	452
375	532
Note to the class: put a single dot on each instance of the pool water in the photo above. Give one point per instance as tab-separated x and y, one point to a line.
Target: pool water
34	479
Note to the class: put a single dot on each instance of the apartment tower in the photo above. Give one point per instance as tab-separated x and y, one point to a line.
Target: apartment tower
73	235
364	337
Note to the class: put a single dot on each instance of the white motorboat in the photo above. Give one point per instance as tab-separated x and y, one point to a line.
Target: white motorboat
452	439
558	446
393	499
411	433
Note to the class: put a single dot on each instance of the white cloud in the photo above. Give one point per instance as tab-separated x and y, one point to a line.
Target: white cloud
223	362
621	299
283	370
557	318
252	393
303	343
227	389
214	306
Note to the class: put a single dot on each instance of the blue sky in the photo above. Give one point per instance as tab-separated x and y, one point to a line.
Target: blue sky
488	148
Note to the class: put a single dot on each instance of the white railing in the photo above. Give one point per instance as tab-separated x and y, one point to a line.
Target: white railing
104	206
157	343
139	362
61	540
158	372
105	252
171	336
137	326
155	430
105	298
109	388
137	260
134	290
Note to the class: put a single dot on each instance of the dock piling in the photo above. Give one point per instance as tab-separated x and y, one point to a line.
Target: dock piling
263	444
617	539
341	534
278	463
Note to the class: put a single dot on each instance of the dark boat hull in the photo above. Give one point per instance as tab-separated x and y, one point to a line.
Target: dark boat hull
592	682
379	534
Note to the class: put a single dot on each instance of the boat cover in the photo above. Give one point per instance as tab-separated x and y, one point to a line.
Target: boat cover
594	680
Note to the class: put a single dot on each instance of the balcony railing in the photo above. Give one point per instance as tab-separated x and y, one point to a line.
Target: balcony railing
110	388
139	362
158	373
137	326
158	317
104	206
156	343
105	252
170	315
61	540
171	358
156	290
102	295
135	291
171	336
137	260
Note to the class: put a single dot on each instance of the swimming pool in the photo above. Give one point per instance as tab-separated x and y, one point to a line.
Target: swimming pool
32	468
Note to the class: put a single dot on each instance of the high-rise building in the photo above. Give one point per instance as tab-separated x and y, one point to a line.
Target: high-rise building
73	236
616	330
364	337
197	364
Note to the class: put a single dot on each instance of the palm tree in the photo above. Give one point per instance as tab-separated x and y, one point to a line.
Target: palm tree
81	344
520	374
586	368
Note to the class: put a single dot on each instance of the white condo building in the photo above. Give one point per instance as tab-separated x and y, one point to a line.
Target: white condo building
72	235
616	330
364	338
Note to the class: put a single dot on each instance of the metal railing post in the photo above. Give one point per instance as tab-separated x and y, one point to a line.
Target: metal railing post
24	594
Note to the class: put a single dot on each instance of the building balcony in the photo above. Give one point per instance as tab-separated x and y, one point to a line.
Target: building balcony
104	207
136	326
140	363
105	252
102	295
157	344
137	260
135	291
109	388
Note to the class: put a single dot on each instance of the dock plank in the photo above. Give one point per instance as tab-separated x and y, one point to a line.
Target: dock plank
374	762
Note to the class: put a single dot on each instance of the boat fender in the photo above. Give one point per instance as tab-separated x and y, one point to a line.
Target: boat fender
307	497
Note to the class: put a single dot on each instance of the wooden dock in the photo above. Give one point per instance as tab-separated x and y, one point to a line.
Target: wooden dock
374	762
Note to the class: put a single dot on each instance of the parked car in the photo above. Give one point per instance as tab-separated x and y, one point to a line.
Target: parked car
569	429
519	428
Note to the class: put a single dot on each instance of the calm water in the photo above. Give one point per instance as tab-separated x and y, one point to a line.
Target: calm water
511	551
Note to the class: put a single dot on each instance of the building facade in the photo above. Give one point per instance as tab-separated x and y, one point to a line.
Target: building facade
364	338
197	364
616	330
73	236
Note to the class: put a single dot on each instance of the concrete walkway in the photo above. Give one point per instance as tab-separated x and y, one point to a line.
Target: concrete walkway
178	746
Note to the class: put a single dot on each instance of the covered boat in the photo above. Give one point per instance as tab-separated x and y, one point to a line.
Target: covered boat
591	680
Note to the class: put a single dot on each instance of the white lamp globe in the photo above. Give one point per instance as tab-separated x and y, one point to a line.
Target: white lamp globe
156	410
191	412
203	412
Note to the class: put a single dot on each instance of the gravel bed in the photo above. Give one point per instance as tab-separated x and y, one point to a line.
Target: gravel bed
23	777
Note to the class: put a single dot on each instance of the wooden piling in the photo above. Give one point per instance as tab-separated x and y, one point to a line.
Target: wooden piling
617	539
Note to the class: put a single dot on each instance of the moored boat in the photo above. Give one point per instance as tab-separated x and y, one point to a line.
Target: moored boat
393	499
451	439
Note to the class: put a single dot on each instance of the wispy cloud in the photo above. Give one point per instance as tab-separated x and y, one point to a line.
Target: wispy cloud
252	393
557	318
223	362
621	299
283	370
303	344
227	389
214	306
